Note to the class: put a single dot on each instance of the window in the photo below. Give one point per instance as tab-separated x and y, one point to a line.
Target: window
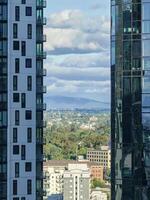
16	149
28	62
17	116
15	83
29	135
17	13
28	115
23	100
15	45
15	135
16	198
16	170
23	48
23	198
28	11
28	166
23	2
29	31
15	30
15	97
29	83
23	152
29	186
14	187
17	65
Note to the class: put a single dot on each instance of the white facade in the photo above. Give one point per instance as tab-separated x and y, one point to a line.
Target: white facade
98	195
24	154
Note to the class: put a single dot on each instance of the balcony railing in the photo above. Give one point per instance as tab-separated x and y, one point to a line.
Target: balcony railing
41	72
41	141
41	106
3	1
41	192
41	89
41	54
41	124
41	20
41	38
41	4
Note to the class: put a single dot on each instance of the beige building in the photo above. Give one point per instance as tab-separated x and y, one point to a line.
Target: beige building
101	156
97	194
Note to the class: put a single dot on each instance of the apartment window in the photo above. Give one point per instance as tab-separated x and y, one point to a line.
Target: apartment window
28	166
29	186
15	97
29	83
23	2
16	170
15	83
15	45
23	198
15	30
23	100
28	11
23	48
28	62
29	135
23	152
17	13
28	115
17	65
29	31
16	149
16	198
17	117
14	187
15	135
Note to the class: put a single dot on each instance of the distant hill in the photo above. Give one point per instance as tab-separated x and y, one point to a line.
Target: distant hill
62	102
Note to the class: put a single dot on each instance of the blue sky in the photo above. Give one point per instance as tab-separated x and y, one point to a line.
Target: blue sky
78	49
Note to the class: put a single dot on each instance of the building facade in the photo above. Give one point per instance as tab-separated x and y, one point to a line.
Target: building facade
130	113
101	156
21	99
77	182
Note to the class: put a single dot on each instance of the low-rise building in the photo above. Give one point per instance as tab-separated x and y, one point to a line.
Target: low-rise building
56	197
101	156
97	194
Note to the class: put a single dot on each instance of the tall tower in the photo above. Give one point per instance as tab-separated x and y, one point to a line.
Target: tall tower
21	99
130	76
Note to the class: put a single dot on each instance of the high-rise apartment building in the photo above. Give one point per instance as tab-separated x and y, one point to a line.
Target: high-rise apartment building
21	99
130	67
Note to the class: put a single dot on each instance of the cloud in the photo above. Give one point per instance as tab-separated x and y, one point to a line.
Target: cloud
72	31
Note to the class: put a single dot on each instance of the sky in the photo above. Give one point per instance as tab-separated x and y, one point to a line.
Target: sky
78	49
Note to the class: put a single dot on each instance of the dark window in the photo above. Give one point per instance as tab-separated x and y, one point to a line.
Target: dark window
23	100
23	2
15	30
16	149
15	45
28	62
29	186
28	166
28	115
29	135
16	97
17	13
23	198
17	117
23	152
16	170
29	31
14	187
15	135
15	83
17	65
29	83
23	48
16	198
28	11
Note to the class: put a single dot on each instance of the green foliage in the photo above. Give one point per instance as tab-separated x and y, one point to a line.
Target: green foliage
97	183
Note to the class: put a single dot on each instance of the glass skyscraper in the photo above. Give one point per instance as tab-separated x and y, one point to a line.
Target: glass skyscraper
130	113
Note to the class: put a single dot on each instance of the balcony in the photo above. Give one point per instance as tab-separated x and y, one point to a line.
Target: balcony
41	157
41	124
41	38
3	1
41	72
41	20
41	89
41	55
41	106
41	4
3	68
41	141
41	192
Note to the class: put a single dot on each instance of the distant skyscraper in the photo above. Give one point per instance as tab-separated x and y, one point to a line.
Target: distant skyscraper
21	99
130	74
